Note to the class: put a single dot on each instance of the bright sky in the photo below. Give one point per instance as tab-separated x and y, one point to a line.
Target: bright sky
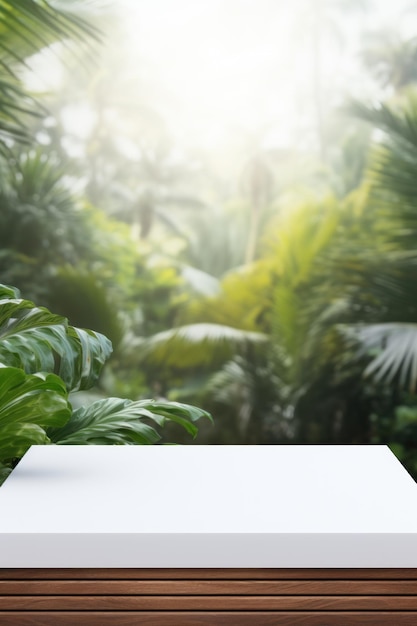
237	65
224	66
228	69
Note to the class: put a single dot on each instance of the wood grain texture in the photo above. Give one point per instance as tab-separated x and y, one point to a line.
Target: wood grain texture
217	618
208	603
208	587
207	573
201	597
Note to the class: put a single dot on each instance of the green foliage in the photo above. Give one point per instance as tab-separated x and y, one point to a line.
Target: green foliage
40	217
81	297
120	422
42	227
29	404
390	337
158	296
35	340
397	425
306	237
42	358
72	258
394	347
4	472
392	168
26	27
185	346
297	357
244	299
247	397
236	321
113	256
302	342
349	156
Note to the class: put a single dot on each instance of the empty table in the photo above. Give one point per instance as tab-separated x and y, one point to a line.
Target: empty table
208	535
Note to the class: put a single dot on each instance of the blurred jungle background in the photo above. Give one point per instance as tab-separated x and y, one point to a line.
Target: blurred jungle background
228	191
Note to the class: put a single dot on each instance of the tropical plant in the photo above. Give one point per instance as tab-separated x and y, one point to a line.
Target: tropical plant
26	27
271	334
399	427
123	152
213	331
215	327
392	339
42	225
42	359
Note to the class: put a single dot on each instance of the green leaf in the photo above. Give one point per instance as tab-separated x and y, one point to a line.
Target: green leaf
34	340
117	421
4	472
175	412
27	27
7	293
28	405
15	439
396	347
93	349
186	346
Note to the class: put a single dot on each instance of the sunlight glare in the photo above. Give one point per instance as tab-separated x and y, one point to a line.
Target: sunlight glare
223	66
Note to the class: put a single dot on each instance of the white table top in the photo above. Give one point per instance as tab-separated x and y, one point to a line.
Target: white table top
208	506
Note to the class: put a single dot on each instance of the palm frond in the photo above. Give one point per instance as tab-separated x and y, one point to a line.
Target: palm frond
393	168
394	350
26	27
193	344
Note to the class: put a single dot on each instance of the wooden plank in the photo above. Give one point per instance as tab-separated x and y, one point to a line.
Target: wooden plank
213	587
217	618
207	573
208	603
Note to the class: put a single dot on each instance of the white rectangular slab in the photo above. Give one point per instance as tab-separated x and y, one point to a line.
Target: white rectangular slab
208	506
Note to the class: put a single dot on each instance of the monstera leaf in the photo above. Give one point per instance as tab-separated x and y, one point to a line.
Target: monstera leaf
4	472
117	421
33	339
29	403
41	359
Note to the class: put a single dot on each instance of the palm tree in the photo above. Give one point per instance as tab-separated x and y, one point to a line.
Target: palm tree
41	224
269	338
27	27
392	278
341	302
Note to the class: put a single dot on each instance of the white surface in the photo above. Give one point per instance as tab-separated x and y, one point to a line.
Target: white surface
208	506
